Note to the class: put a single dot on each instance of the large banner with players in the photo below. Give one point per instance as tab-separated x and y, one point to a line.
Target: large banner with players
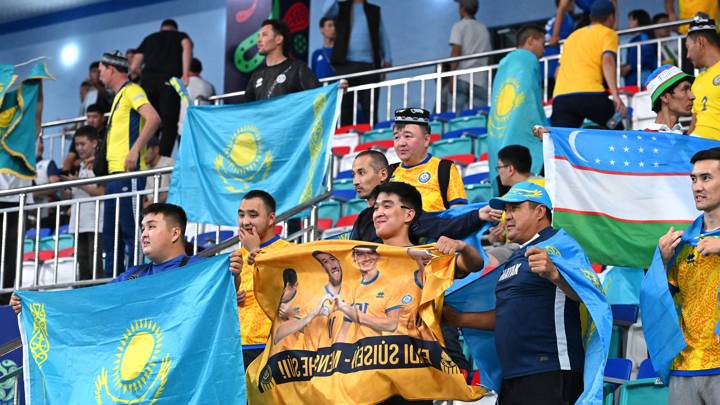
354	322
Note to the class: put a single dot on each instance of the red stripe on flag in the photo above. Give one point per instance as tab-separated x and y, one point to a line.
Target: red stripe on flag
632	221
592	169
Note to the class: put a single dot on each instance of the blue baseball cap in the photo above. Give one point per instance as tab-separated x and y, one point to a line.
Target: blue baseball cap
601	8
522	192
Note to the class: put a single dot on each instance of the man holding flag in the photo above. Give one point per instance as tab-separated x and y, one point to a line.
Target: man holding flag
685	351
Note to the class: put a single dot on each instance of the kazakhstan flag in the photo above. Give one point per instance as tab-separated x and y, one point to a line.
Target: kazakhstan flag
170	338
18	129
280	145
516	108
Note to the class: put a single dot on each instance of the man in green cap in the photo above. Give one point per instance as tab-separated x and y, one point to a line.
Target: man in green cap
671	93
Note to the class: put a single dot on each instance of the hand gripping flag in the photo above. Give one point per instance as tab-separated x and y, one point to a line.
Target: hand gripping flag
170	338
280	145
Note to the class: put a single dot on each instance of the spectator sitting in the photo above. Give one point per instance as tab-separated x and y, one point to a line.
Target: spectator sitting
165	54
199	90
320	61
514	166
589	56
438	180
46	172
648	53
361	44
468	36
86	142
154	160
94	117
279	75
672	98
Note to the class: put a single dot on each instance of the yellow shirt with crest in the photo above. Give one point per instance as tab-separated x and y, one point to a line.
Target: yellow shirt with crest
706	107
424	176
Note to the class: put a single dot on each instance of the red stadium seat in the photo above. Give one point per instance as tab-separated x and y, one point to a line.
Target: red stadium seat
66	252
384	145
324	223
340	150
434	138
484	156
347	220
360	128
463	159
278	229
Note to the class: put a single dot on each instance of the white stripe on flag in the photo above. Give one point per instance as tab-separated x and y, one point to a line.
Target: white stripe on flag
623	197
562	345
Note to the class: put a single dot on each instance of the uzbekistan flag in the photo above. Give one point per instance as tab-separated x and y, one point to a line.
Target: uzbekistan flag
617	192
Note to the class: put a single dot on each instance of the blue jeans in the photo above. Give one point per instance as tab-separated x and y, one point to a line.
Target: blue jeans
126	222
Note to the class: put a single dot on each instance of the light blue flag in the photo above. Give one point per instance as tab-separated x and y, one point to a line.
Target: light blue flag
516	107
574	266
18	130
280	145
659	312
169	338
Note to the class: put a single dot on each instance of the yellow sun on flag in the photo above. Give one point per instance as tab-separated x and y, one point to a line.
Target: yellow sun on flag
137	356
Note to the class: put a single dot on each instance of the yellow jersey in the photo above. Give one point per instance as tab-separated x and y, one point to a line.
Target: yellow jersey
409	322
376	297
325	330
706	106
688	9
424	176
254	324
697	278
124	126
581	60
296	340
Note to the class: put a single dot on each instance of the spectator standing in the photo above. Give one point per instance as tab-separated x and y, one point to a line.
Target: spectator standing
199	90
438	180
671	96
46	172
589	56
279	75
95	92
688	9
320	61
163	55
86	141
361	44
94	117
703	50
566	27
154	160
648	53
668	49
468	36
133	120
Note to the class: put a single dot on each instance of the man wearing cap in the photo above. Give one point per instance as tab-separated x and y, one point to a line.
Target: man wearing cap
588	56
438	180
154	160
672	98
703	50
468	36
537	315
132	123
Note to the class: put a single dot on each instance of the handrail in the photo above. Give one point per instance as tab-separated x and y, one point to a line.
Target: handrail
82	182
280	218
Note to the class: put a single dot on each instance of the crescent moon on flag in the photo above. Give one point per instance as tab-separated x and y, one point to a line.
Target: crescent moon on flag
572	139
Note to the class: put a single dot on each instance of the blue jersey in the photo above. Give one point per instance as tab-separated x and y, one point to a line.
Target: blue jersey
148	269
537	328
320	63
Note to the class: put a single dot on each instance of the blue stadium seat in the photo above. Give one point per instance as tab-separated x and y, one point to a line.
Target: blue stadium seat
442	116
646	370
330	209
345	174
476	178
343	195
206	240
437	127
474	121
455	146
343	184
624	315
617	371
64	229
354	206
471	132
377	135
478	192
383	124
471	112
31	233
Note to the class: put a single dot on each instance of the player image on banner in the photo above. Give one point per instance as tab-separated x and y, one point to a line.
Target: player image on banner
353	315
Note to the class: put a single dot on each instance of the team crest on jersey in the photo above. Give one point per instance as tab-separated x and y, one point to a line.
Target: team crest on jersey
424	177
716	80
381	294
407	299
281	78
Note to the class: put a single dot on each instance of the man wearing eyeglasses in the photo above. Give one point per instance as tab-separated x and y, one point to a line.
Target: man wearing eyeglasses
514	163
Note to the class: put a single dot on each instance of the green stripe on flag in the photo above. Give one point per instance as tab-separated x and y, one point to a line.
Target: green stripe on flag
612	242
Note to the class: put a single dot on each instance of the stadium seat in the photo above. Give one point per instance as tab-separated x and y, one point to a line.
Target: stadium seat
377	135
31	233
617	371
646	370
434	137
347	161
355	205
476	178
345	174
28	271
478	192
63	229
471	112
472	132
342	232
643	392
324	224
65	271
28	245
382	145
278	229
624	315
481	166
343	195
642	110
462	159
346	221
474	121
437	127
392	156
383	124
616	342
443	116
206	240
449	147
330	209
350	140
358	128
340	150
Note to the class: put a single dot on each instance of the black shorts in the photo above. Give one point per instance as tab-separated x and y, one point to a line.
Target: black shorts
570	110
550	388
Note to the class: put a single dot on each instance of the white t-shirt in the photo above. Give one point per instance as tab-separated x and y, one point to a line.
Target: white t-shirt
165	178
197	86
473	37
87	210
9	182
